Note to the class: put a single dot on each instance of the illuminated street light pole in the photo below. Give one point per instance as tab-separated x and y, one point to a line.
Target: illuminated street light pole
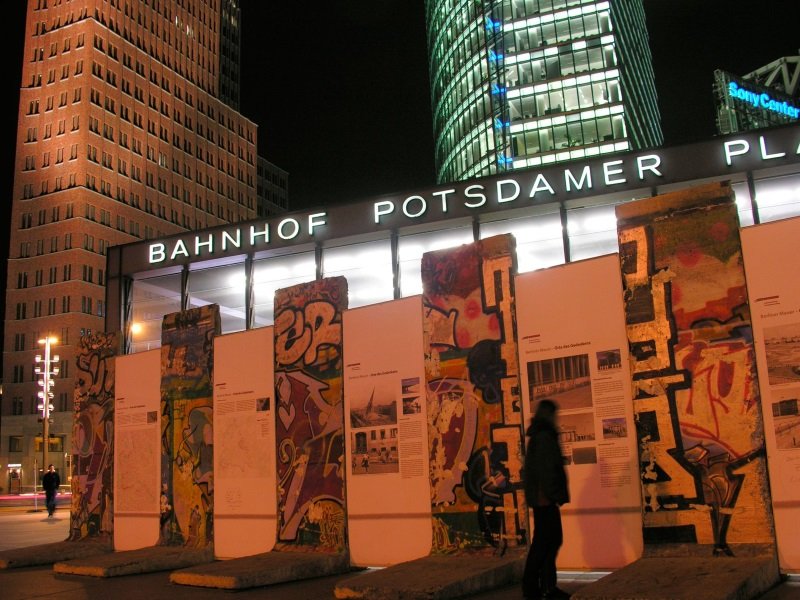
46	372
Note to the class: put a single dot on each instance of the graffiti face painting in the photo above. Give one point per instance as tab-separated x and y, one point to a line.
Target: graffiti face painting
474	413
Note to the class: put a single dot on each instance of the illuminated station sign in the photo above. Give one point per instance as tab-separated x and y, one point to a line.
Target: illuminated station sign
557	183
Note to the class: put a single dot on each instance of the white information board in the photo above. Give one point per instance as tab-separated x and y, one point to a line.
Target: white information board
573	350
772	268
388	489
245	497
137	457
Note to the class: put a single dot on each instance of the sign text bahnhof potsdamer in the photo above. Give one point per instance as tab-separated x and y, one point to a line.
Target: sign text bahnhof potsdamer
614	173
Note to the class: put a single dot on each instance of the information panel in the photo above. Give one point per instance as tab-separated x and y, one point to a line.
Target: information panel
772	269
388	489
137	459
245	507
573	350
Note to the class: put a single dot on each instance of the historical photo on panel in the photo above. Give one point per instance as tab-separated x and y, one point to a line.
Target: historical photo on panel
374	450
411	396
410	385
411	405
374	405
609	359
782	344
786	421
576	427
584	456
615	427
564	379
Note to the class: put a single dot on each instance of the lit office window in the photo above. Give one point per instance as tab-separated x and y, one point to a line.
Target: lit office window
538	240
592	231
275	273
224	286
153	298
778	198
367	268
412	247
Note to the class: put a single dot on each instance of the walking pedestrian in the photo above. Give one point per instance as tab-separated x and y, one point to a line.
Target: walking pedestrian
545	491
50	482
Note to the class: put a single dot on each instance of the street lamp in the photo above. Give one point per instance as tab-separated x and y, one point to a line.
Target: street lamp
46	368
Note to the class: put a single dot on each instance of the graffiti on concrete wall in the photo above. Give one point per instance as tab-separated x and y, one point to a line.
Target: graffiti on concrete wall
187	451
310	417
473	399
699	425
91	514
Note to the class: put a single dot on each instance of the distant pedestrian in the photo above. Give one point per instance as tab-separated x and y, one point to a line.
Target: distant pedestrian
50	482
194	527
545	491
165	509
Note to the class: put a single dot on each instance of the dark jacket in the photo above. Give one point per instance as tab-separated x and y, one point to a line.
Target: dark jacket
51	481
545	477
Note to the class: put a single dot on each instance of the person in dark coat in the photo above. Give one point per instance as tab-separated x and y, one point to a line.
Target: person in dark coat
50	482
545	491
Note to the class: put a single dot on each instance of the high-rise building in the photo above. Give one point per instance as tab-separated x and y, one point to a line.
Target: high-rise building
766	97
521	83
229	53
272	188
127	130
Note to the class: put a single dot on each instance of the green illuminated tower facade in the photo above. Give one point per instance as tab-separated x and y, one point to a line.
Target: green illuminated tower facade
521	83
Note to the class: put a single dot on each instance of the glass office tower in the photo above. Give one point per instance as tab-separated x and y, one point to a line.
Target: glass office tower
521	83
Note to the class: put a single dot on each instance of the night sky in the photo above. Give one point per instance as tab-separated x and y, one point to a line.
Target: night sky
340	92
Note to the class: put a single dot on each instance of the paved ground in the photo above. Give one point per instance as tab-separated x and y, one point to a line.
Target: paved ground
20	528
41	583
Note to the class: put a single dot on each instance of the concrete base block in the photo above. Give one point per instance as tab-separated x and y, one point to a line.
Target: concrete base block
706	550
687	578
269	568
436	577
47	554
132	562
